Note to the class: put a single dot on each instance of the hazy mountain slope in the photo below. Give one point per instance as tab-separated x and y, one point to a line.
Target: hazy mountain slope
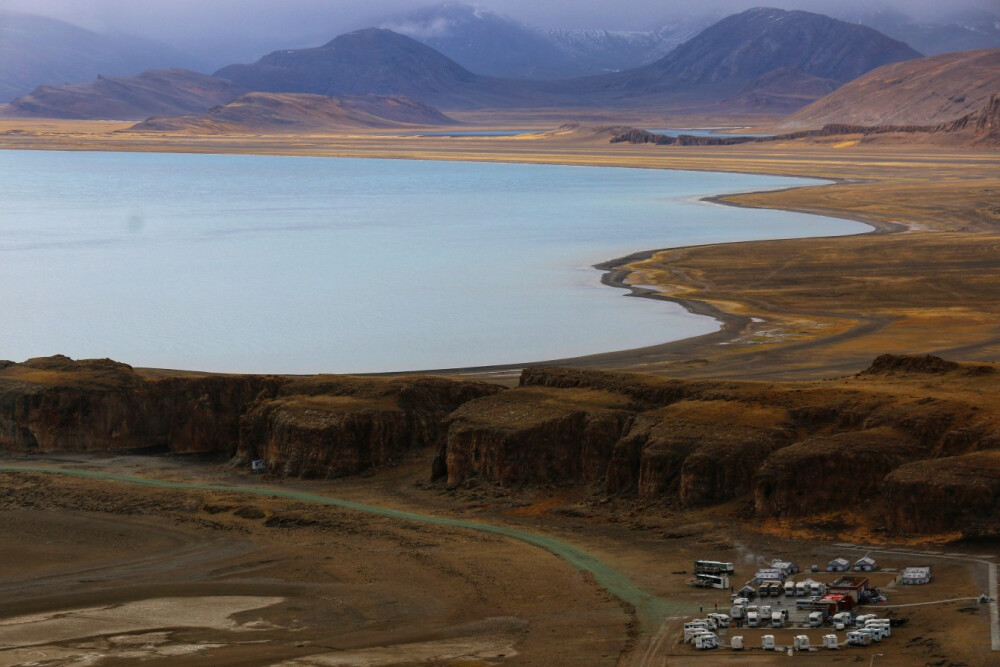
720	61
41	51
485	42
917	92
962	30
782	89
595	51
286	112
172	91
381	62
746	46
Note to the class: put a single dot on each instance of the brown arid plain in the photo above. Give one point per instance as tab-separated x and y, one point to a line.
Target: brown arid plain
110	572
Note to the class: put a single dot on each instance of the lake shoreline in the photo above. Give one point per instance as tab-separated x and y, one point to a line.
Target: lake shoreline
869	185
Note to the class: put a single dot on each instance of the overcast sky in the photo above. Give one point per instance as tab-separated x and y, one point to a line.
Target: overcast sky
294	23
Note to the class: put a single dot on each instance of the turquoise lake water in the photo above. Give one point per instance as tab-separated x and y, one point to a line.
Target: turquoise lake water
304	265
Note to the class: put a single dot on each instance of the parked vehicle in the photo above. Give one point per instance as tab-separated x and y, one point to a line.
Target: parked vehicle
767	642
753	618
777	619
815	619
706	641
859	620
801	642
736	643
721	620
830	641
859	638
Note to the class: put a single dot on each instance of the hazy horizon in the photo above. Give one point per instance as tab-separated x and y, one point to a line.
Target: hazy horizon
247	29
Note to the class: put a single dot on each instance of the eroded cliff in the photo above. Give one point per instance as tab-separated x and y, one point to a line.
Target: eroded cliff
911	444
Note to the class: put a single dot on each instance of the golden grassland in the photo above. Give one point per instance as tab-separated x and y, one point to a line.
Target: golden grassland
802	308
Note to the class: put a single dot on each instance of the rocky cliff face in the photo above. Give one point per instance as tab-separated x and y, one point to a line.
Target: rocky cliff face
57	404
534	436
791	449
698	452
320	426
914	442
960	493
334	426
829	473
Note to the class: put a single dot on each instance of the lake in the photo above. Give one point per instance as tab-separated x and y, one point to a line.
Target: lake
303	265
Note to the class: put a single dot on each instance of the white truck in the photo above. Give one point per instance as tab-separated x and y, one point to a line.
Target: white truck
815	619
777	619
753	618
767	642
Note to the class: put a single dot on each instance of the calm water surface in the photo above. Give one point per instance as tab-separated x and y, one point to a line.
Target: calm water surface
303	265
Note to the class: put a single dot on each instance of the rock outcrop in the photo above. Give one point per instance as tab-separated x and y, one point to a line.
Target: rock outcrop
319	426
58	404
536	435
829	473
334	426
913	443
789	449
960	493
699	452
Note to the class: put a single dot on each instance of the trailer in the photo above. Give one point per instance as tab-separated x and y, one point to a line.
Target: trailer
777	619
736	643
830	641
705	580
816	619
801	642
859	638
913	576
767	642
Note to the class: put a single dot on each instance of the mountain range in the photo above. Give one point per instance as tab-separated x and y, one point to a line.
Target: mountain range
35	51
155	92
709	68
491	44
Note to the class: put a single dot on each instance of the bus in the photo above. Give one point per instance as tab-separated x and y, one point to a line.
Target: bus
713	567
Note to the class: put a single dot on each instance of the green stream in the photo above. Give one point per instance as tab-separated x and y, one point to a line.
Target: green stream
651	609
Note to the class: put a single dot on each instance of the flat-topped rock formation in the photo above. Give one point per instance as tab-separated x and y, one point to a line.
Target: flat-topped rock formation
912	443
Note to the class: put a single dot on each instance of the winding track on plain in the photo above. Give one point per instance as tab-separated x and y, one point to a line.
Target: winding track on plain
650	609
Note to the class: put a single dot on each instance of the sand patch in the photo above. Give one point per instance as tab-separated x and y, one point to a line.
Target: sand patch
499	645
136	629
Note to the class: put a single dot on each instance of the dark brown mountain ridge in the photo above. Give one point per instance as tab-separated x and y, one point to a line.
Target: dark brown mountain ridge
709	68
300	112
